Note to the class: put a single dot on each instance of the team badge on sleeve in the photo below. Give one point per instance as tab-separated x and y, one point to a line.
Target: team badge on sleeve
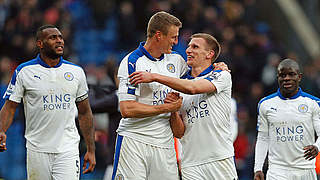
10	89
119	177
68	76
216	75
303	108
171	68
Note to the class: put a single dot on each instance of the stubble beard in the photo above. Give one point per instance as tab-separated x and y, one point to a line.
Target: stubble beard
50	53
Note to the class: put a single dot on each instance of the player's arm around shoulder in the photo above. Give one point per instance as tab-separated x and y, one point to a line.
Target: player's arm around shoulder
129	105
182	85
211	84
200	86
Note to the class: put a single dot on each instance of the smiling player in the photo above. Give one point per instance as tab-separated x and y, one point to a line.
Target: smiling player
204	117
287	122
144	147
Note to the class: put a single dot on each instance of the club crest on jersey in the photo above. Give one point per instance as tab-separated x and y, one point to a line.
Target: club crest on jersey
303	108
171	68
68	76
119	177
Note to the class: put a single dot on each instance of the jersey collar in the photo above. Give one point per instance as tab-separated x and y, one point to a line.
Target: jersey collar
203	73
146	53
292	97
42	63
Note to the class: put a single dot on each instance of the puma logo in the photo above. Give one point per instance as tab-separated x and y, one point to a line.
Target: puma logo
37	77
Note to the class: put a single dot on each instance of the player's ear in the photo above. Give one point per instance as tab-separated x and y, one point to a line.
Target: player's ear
157	35
39	44
211	54
299	77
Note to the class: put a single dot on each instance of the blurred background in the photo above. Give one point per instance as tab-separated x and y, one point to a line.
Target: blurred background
255	35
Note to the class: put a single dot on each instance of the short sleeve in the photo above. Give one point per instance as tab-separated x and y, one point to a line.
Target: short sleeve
262	123
15	89
126	91
221	80
183	66
82	92
316	118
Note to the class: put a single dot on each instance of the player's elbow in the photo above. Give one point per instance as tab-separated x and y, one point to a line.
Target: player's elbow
125	110
191	90
125	113
178	135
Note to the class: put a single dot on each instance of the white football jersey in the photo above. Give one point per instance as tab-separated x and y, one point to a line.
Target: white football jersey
206	116
291	124
49	95
153	130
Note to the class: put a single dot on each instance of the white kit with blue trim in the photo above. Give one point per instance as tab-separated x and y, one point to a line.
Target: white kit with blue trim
291	124
153	130
49	95
206	116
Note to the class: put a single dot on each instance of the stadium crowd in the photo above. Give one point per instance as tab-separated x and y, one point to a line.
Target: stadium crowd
99	33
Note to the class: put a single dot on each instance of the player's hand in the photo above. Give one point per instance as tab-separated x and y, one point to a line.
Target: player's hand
171	97
258	175
3	139
140	77
221	66
310	152
176	105
91	158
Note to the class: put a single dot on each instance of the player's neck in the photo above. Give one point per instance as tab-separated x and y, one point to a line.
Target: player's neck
288	94
196	70
49	61
153	48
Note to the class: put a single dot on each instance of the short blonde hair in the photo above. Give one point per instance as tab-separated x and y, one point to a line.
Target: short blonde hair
161	21
212	42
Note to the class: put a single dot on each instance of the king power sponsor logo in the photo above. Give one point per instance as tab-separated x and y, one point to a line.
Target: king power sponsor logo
159	96
197	111
287	134
56	102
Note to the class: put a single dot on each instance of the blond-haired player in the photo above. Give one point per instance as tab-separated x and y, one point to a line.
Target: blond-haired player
144	147
207	146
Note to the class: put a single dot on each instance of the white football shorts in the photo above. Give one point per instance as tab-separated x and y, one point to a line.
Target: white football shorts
135	160
292	174
56	166
216	170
